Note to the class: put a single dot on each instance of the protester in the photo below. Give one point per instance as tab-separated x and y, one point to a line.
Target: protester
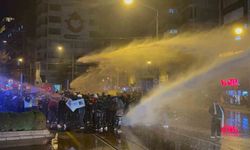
52	113
98	112
217	113
62	114
81	112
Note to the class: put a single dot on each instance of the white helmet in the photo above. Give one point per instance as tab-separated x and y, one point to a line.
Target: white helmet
95	96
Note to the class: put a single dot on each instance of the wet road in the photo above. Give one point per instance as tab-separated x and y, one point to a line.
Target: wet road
79	141
236	135
86	141
236	124
236	132
71	141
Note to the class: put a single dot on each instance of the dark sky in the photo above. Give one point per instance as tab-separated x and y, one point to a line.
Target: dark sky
22	10
3	8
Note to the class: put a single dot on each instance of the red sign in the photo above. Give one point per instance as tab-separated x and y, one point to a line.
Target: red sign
47	87
233	82
230	130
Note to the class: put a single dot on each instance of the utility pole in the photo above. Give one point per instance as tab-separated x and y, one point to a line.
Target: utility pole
73	66
157	24
220	12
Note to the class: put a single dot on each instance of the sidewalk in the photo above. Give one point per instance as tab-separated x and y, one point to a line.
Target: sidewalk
24	138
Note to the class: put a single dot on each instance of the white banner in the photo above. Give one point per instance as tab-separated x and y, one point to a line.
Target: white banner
76	104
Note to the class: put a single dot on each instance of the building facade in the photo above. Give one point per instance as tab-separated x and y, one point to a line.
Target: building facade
200	14
64	32
185	15
12	46
235	11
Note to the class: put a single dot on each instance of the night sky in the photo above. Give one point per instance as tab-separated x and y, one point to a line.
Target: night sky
125	22
22	10
117	20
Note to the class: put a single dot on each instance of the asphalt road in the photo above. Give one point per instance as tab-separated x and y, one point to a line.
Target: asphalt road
235	136
86	141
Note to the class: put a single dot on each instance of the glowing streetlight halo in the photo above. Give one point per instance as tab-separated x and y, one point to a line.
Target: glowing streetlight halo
149	62
128	2
59	48
238	30
20	60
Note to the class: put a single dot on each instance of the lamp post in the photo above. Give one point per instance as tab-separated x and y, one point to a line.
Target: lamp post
128	2
156	11
149	62
19	63
60	49
238	31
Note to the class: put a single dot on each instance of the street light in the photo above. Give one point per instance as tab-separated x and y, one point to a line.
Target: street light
19	62
4	41
149	62
59	48
129	2
238	30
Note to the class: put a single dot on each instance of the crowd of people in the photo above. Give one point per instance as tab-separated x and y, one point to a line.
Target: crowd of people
13	101
99	111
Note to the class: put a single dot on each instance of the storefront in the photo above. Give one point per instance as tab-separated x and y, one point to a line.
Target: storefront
234	93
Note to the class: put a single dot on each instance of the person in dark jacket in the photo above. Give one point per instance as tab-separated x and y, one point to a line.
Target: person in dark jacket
81	113
52	113
217	113
62	113
99	115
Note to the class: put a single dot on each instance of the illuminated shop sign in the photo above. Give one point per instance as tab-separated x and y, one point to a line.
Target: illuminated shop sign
237	93
229	82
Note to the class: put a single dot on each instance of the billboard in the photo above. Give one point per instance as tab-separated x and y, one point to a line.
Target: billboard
73	21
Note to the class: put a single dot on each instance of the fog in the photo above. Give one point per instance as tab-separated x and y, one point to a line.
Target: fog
198	61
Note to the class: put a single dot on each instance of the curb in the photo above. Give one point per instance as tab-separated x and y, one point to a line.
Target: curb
24	137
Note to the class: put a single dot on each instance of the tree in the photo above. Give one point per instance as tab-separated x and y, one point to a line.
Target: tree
4	57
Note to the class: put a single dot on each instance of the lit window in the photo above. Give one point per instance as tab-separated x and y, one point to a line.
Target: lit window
173	31
9	19
172	11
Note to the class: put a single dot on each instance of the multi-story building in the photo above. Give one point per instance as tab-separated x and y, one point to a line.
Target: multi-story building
181	15
64	31
178	16
12	46
233	11
200	14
